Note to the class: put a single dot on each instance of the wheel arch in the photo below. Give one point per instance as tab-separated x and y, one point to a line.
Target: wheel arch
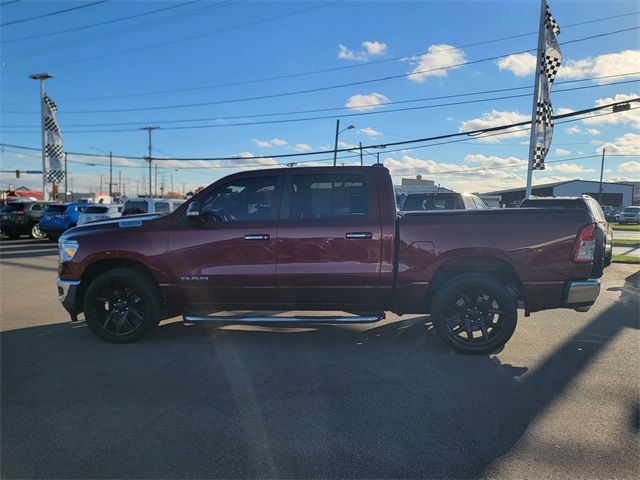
100	266
491	266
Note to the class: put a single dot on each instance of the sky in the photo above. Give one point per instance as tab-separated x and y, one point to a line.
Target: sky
389	68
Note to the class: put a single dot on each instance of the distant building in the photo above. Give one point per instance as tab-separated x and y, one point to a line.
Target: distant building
614	194
418	185
636	192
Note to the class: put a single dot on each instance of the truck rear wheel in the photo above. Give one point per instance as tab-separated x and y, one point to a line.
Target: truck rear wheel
474	314
121	305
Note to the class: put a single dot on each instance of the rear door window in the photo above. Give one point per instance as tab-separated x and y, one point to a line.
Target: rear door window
161	207
56	208
328	196
432	201
13	207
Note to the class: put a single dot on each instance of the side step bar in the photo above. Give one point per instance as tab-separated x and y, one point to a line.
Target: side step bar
252	320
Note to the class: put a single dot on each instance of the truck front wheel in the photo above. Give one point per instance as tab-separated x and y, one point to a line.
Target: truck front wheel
121	305
474	314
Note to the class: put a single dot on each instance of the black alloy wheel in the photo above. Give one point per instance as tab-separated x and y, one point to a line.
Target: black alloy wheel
474	314
121	305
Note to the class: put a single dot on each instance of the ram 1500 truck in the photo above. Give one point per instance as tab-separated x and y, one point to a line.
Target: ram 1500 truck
327	239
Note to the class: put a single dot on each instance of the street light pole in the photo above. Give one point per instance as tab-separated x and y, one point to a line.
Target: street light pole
335	146
601	174
42	77
110	175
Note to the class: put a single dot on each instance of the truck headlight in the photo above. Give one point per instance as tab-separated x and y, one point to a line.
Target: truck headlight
68	249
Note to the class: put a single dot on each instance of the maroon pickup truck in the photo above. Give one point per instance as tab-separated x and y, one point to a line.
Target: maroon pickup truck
327	239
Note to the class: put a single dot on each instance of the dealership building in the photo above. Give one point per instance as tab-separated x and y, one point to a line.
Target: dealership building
614	194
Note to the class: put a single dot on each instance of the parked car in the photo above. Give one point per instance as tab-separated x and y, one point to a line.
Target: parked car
21	218
604	233
442	201
630	215
57	218
328	239
135	206
611	214
99	211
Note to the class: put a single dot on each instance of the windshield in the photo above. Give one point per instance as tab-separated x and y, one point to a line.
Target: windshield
56	208
632	210
95	209
13	207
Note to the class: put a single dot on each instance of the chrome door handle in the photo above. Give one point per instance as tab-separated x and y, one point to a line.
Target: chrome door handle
359	235
257	236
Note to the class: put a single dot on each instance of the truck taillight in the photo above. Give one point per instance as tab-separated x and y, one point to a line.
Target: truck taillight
585	244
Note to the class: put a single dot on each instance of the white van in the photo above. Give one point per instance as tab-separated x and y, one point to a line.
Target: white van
135	206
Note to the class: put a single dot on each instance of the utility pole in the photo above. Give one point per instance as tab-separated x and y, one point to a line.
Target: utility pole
361	161
155	191
378	158
335	146
110	175
101	175
42	77
150	157
601	174
120	183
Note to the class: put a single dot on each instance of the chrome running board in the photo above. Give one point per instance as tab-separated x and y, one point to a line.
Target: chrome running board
251	320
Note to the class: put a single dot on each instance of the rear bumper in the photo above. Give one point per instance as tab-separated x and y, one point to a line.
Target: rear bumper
67	294
580	294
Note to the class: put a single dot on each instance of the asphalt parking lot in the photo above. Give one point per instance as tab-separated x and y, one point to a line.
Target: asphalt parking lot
368	401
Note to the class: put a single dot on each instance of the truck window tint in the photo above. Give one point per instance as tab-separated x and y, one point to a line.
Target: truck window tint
480	205
432	201
245	199
328	196
468	202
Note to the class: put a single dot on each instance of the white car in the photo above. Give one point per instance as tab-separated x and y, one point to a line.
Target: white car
98	211
630	215
136	206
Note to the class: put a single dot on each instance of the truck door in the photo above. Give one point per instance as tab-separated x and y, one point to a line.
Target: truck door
231	261
329	241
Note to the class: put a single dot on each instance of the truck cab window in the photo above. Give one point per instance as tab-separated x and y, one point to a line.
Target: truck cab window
241	200
328	196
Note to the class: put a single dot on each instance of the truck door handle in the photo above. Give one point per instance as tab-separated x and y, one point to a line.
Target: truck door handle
257	236
359	235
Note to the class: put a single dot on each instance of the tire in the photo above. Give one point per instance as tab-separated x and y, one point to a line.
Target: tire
35	232
121	305
474	314
608	259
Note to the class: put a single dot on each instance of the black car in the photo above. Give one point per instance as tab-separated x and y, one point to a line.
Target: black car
21	218
604	234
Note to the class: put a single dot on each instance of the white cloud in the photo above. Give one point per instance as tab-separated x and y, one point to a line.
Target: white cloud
342	144
494	161
364	103
563	110
624	62
627	144
496	118
593	131
302	147
370	49
370	132
629	117
520	64
261	143
632	166
269	143
561	152
573	130
411	166
374	48
567	168
435	61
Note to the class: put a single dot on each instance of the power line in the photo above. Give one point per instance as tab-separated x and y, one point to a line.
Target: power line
50	14
343	115
327	70
8	2
472	135
194	37
92	25
319	89
131	28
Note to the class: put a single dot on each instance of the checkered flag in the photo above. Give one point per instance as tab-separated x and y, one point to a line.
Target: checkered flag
550	61
54	153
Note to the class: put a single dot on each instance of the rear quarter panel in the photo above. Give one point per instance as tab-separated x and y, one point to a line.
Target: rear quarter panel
537	244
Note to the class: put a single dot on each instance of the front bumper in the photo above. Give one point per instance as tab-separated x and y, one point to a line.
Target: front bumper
67	294
580	294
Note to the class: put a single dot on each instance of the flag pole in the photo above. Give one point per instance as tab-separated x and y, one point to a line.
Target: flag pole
41	77
536	94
